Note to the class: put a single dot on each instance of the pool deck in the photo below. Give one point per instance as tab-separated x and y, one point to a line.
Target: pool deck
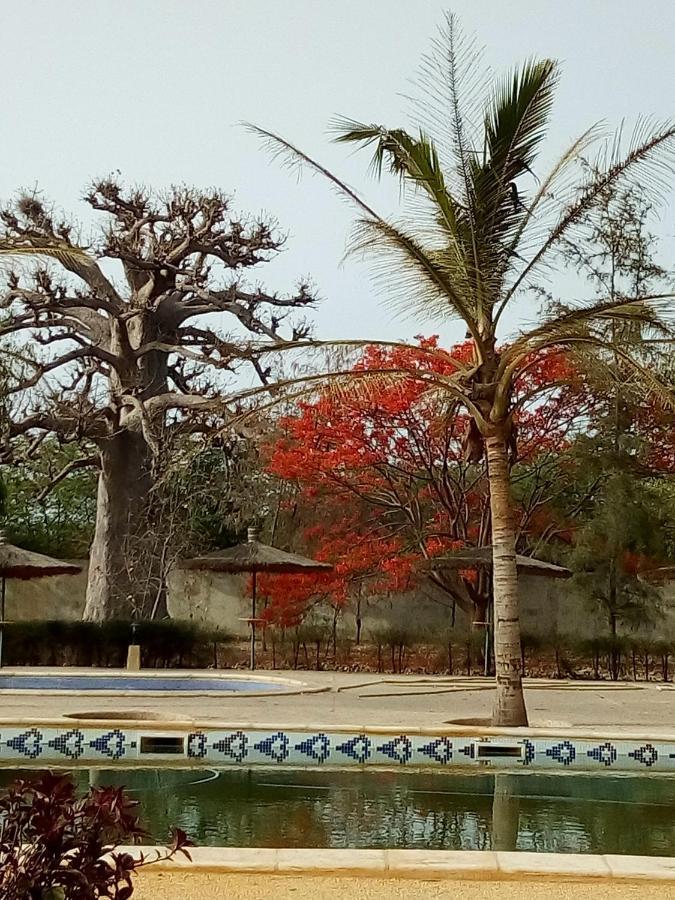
355	699
262	872
260	887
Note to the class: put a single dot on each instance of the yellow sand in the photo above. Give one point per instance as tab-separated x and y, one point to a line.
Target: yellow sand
183	886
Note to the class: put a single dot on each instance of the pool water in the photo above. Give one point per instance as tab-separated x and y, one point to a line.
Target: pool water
444	811
134	683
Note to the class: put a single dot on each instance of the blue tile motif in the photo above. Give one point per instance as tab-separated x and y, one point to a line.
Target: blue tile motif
235	746
528	755
605	754
357	748
275	746
399	749
564	753
303	747
70	744
111	744
648	755
28	744
439	750
316	747
196	745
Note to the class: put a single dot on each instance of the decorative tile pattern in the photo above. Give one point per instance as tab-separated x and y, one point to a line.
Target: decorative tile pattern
357	748
647	755
233	746
28	744
529	754
605	754
112	744
196	745
399	749
564	753
439	751
70	744
316	747
275	746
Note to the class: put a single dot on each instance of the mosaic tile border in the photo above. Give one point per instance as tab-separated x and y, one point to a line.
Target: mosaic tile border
297	747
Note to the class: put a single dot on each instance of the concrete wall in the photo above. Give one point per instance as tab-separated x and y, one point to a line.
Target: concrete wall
547	606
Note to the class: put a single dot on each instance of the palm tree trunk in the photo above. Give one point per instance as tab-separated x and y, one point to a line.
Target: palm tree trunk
509	706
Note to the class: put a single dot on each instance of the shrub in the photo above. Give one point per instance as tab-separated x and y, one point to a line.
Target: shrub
314	635
397	639
172	642
56	846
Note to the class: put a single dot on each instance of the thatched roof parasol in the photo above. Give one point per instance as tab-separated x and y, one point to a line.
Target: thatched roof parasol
15	562
481	557
254	557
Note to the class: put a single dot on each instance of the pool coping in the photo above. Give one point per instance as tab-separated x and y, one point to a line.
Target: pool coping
431	865
187	724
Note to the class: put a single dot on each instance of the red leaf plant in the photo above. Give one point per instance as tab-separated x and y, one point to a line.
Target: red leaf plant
55	845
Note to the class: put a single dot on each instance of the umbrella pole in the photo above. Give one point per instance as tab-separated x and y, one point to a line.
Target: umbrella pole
253	598
2	619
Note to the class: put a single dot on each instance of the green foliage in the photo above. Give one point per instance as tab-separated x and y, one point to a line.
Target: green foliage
623	526
211	491
59	522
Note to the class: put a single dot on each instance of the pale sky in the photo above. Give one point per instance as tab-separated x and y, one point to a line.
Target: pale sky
156	89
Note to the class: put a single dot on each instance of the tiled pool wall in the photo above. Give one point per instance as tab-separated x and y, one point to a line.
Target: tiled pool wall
218	747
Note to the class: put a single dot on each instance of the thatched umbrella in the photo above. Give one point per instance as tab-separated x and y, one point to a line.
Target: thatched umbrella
481	557
15	562
254	557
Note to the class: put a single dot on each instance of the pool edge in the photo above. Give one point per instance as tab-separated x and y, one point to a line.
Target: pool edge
425	865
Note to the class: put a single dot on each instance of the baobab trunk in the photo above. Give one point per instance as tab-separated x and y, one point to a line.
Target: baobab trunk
126	569
509	706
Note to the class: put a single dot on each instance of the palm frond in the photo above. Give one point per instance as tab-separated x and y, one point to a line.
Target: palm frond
647	311
264	349
413	273
69	256
415	160
650	158
547	195
297	160
586	350
515	123
517	118
373	229
464	151
349	384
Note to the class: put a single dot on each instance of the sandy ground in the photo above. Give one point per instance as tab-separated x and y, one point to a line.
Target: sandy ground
182	886
399	701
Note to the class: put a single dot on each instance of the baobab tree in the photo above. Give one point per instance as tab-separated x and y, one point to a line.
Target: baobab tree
117	351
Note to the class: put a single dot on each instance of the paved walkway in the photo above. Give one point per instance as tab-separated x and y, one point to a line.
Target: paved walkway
186	886
388	700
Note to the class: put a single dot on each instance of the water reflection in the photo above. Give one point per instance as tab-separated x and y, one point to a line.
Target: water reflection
314	808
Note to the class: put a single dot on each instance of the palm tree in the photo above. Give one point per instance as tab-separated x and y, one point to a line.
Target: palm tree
472	242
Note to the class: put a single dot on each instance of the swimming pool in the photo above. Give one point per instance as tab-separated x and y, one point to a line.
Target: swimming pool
562	813
107	682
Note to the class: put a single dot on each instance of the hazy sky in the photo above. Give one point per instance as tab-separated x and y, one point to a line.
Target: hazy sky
156	89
